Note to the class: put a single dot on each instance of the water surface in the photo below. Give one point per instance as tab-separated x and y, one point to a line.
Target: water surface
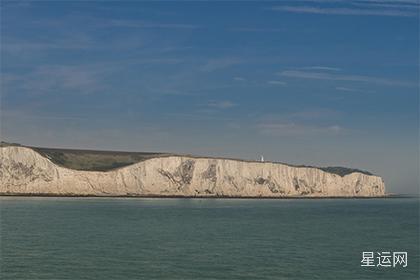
105	238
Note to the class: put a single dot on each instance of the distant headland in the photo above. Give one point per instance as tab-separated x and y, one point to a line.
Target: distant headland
26	170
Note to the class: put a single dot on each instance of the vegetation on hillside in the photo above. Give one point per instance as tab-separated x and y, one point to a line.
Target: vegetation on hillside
93	160
342	171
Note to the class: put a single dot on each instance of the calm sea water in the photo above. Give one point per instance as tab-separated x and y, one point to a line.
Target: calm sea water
98	238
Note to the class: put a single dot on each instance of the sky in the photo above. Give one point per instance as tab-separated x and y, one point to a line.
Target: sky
316	82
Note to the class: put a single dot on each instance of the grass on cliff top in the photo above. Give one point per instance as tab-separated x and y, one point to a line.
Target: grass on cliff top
93	160
343	171
90	160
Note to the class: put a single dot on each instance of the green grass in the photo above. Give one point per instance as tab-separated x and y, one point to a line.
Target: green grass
93	160
6	144
342	171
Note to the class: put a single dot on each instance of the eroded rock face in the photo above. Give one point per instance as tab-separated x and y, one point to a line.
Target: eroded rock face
24	171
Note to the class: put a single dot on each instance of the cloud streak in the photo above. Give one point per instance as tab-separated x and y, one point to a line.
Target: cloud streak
276	83
306	122
47	79
294	129
347	89
220	63
148	24
349	11
225	104
239	79
343	77
322	68
256	29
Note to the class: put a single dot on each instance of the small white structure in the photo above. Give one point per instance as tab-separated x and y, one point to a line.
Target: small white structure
262	158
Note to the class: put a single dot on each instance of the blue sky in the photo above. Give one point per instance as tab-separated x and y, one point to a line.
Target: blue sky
309	82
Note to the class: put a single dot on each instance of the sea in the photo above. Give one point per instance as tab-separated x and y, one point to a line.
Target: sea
154	238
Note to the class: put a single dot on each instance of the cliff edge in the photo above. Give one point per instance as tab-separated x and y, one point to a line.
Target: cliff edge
25	171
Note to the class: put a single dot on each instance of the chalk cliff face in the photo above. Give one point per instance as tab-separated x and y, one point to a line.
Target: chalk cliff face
24	171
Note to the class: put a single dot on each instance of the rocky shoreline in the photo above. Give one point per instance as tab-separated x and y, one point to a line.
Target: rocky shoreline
194	197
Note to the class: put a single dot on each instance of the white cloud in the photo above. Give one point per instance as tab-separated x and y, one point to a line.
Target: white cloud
346	11
219	63
398	4
322	68
295	129
148	24
225	104
313	114
255	29
342	77
347	89
69	42
304	122
393	2
61	79
277	83
239	79
335	128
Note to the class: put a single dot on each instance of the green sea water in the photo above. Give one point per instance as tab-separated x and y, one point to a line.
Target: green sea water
104	238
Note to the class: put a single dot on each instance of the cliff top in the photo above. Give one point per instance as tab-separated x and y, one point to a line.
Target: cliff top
93	160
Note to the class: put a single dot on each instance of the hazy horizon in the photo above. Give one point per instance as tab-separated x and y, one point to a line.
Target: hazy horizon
322	83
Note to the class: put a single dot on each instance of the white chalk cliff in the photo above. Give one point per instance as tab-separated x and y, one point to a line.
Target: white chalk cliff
24	171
